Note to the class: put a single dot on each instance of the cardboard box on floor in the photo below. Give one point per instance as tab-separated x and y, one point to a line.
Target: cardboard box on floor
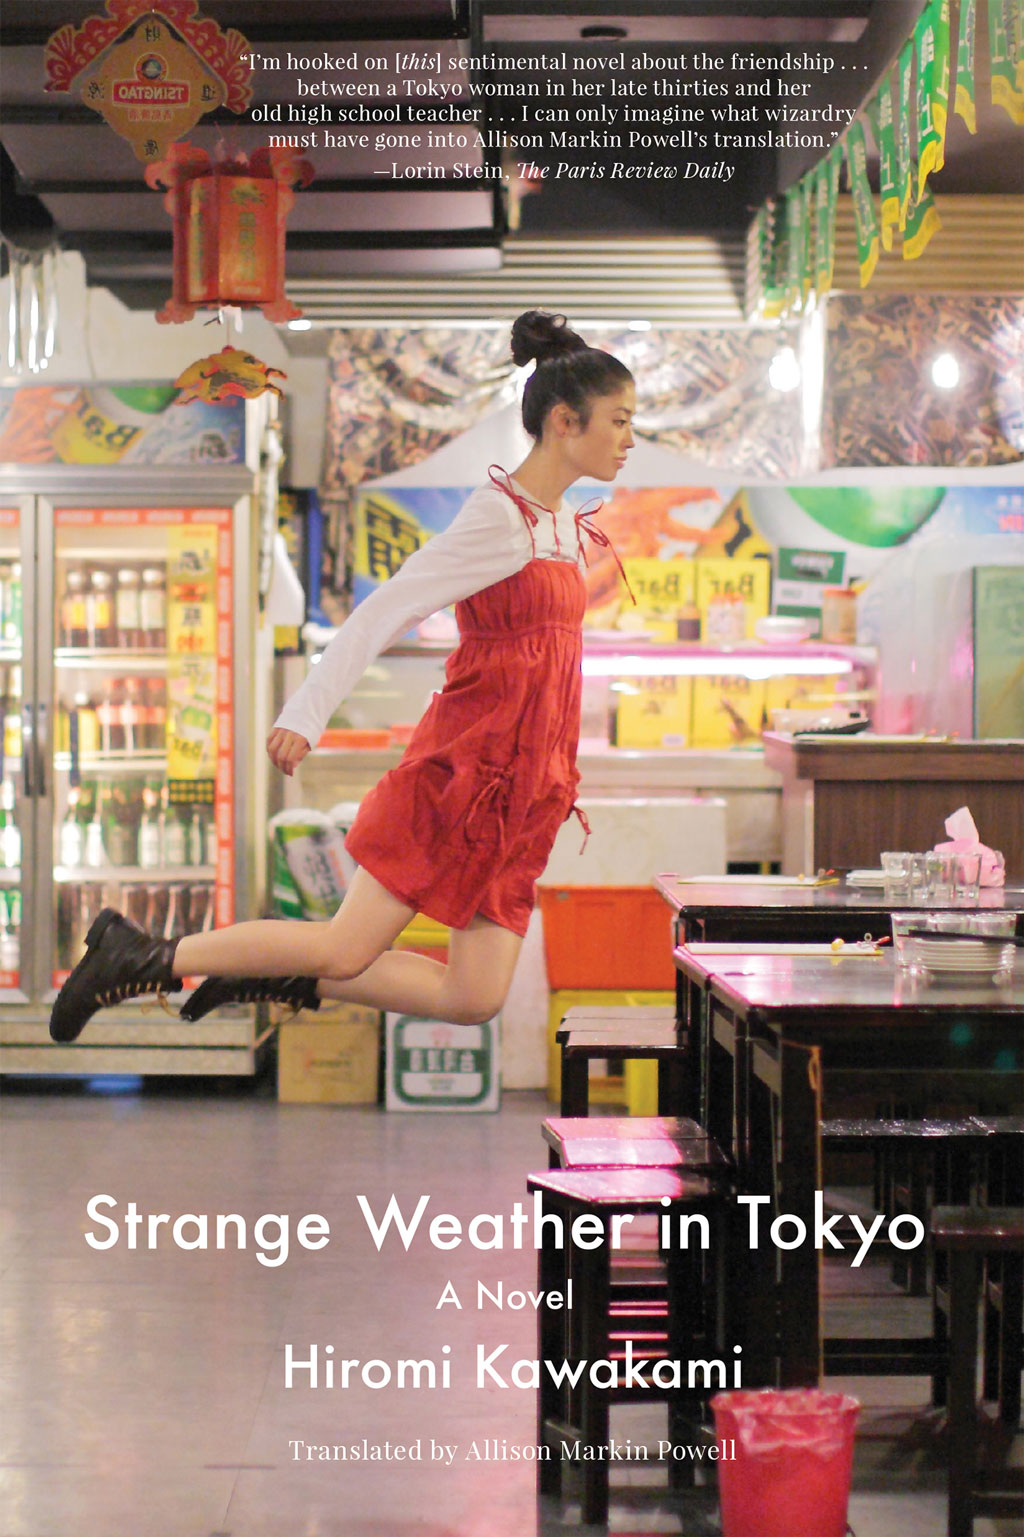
329	1056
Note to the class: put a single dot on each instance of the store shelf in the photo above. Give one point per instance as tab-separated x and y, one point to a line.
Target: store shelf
92	660
165	875
122	763
10	877
10	652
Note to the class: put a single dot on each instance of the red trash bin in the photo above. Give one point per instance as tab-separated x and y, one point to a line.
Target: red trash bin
790	1475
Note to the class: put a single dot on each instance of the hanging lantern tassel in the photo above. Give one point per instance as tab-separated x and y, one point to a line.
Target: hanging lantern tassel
229	372
229	229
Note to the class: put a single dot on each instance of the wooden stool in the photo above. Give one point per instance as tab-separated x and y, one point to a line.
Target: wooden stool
595	1329
922	1163
591	1032
630	1142
969	1234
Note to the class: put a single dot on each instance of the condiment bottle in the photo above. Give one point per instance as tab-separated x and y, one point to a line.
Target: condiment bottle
154	608
128	609
99	611
73	628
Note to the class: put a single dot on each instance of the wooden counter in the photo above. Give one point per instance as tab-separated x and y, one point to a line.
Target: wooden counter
845	799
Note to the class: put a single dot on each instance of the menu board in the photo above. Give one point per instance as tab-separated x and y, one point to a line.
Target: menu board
999	651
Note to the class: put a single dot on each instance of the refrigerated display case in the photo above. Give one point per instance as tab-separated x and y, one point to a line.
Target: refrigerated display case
127	667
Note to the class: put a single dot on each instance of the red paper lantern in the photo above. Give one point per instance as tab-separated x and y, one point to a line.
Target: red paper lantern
229	228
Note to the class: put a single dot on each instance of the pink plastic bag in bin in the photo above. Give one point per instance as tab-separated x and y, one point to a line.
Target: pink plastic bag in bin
785	1462
963	839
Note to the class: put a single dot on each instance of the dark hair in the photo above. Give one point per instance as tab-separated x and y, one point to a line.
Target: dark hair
567	369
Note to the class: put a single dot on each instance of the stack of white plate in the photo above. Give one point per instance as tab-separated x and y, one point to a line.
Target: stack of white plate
961	957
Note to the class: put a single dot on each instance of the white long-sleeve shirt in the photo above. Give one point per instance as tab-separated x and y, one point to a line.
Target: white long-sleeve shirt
487	541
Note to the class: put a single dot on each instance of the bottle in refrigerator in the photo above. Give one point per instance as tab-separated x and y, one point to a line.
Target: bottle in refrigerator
196	837
175	833
10	833
154	715
150	850
99	611
74	631
124	812
12	716
153	607
10	932
85	726
128	609
131	714
95	844
71	851
11	633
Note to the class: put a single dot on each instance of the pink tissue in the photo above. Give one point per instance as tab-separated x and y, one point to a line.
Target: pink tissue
963	839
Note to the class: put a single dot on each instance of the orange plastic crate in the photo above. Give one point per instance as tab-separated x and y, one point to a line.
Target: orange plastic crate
607	936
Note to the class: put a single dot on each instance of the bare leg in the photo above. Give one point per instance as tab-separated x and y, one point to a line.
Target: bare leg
364	926
466	991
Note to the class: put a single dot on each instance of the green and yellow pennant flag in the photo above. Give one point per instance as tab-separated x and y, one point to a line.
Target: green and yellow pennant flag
880	117
904	141
1006	56
964	101
863	203
931	42
922	223
826	193
771	238
796	247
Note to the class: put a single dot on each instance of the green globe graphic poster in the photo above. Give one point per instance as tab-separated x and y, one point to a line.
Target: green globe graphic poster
879	517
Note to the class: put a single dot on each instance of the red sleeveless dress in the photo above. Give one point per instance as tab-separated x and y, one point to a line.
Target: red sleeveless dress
463	826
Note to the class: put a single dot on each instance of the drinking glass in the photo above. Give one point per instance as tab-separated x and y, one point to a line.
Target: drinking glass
939	873
896	874
966	876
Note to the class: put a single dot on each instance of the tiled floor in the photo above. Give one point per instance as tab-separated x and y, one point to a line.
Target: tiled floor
142	1392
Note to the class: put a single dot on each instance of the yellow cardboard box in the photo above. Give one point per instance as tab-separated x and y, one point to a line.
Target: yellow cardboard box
329	1057
653	712
727	712
662	589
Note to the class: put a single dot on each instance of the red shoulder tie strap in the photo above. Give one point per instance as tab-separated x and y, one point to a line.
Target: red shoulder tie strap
598	535
502	481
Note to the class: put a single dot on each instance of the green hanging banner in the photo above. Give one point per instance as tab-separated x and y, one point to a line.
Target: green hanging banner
794	243
826	193
1004	26
922	223
881	119
964	101
931	42
771	233
904	145
863	203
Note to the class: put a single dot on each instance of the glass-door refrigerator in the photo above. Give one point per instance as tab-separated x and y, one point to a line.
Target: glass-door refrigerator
129	777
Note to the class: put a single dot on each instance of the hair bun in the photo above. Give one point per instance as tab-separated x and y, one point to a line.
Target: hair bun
539	335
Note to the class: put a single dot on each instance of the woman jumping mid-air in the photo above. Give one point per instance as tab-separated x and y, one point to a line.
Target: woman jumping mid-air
463	827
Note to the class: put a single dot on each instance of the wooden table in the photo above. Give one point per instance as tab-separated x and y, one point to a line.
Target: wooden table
776	1023
740	910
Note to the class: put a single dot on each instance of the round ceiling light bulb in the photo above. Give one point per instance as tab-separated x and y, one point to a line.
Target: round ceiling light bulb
945	371
784	371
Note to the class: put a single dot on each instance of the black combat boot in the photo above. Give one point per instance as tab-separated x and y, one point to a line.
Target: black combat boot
300	992
120	961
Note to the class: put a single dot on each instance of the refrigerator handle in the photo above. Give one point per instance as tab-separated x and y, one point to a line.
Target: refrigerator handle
42	743
28	752
33	750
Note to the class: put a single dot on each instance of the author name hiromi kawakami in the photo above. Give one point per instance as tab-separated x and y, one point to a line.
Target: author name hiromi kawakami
497	1449
316	1366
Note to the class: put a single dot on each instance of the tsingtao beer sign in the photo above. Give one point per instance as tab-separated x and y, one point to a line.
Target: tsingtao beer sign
151	70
